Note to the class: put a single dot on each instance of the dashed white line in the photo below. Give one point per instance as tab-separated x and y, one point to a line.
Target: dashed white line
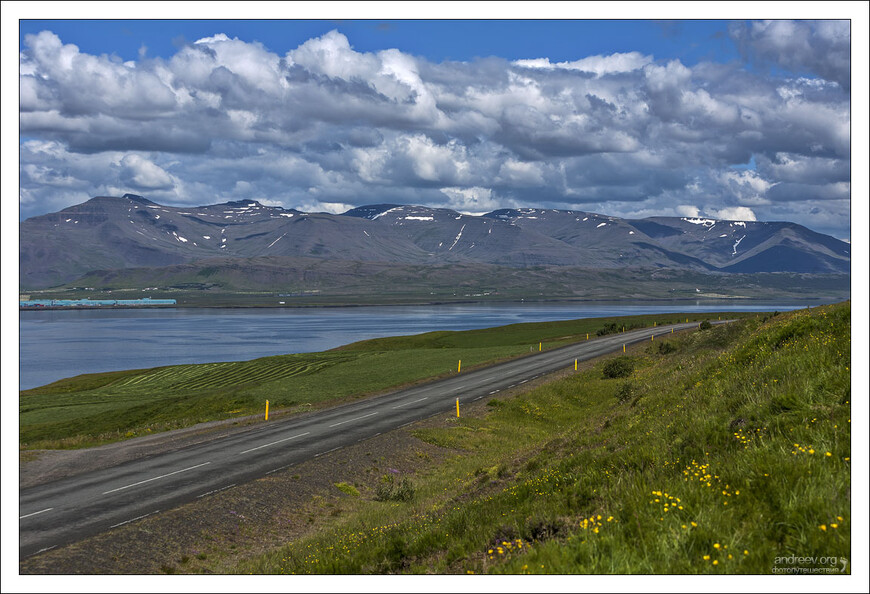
216	490
524	381
42	511
407	403
134	519
274	442
45	549
155	478
277	469
354	419
494	392
327	451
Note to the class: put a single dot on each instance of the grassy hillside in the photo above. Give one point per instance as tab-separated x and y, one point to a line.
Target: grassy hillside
98	408
726	450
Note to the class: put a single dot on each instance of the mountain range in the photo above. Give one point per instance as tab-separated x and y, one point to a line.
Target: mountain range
118	233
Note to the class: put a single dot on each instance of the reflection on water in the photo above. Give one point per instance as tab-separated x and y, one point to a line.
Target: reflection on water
58	344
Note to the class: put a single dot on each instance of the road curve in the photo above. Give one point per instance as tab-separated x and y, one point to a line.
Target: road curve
65	511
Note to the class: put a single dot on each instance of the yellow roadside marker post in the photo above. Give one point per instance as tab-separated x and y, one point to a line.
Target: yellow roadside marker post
587	336
458	369
539	346
623	348
457	408
267	410
575	364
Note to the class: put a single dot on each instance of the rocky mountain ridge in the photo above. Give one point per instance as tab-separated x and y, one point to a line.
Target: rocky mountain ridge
108	233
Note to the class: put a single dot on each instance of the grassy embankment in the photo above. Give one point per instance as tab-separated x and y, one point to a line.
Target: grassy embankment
99	408
721	451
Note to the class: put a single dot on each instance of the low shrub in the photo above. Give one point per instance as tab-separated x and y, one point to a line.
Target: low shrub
390	489
619	367
665	348
625	392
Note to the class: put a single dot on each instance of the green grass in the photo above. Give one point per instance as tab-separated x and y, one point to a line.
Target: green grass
732	450
98	408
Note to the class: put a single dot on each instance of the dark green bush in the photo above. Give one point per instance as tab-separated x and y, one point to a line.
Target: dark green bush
666	348
608	328
705	325
619	367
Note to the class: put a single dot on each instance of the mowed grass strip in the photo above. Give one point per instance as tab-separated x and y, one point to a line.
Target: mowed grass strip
726	451
99	408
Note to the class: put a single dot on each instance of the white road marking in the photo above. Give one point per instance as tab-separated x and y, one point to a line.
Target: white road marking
35	513
45	549
407	403
216	490
274	442
494	392
327	451
155	478
277	469
524	381
354	419
459	388
134	519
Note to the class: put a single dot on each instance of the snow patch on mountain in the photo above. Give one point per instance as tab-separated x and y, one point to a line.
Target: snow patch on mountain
455	241
705	222
379	215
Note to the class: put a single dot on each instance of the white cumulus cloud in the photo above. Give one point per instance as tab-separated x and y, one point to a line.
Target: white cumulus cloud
142	174
325	123
734	213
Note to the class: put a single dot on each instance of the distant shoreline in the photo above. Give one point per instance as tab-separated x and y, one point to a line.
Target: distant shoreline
718	298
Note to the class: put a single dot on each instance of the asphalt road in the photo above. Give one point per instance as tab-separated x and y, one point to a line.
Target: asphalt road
67	510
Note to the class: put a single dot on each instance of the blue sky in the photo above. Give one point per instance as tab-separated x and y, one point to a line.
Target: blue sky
731	119
435	40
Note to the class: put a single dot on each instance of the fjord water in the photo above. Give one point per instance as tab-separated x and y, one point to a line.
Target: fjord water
58	344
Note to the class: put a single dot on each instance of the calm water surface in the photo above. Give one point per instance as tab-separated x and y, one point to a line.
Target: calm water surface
57	344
